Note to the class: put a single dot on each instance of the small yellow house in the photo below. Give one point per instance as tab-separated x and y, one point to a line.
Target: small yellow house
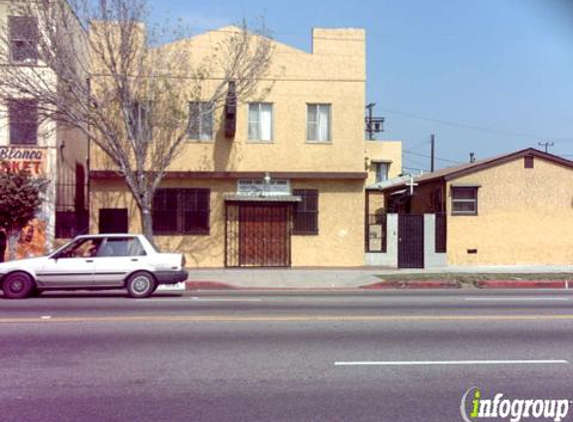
288	189
514	209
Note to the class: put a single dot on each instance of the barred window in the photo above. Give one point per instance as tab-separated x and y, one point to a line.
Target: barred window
306	212
23	39
181	211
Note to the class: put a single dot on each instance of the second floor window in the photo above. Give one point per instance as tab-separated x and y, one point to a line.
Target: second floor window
23	32
318	123
140	120
261	122
23	120
200	121
381	171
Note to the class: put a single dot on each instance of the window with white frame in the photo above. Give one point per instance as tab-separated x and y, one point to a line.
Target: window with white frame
260	122
381	171
318	122
464	200
200	121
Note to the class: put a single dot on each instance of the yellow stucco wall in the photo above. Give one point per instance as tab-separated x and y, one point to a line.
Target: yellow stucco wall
334	73
525	217
341	227
387	151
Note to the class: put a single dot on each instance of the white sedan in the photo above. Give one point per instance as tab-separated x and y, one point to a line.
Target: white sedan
104	261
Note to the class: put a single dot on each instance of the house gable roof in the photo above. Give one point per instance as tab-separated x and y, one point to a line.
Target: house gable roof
451	173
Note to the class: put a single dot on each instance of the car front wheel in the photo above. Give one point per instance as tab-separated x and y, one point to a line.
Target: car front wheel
140	285
18	285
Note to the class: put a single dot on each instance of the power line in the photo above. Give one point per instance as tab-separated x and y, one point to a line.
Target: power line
415	168
436	158
478	128
410	161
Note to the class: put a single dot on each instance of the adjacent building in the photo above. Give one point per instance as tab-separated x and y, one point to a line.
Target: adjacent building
512	209
43	147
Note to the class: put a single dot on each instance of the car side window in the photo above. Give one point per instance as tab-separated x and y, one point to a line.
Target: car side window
120	246
85	248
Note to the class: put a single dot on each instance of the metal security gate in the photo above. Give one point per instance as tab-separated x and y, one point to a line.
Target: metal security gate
258	235
410	241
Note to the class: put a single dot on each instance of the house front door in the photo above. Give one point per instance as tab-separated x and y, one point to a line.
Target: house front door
410	241
264	235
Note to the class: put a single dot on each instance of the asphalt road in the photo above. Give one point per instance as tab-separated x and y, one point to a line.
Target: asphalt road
280	356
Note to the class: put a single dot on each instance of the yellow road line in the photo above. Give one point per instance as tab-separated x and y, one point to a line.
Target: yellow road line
286	318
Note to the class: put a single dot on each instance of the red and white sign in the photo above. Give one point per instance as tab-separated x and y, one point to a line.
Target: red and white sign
15	159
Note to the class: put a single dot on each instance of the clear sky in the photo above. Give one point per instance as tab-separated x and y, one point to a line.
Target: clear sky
485	76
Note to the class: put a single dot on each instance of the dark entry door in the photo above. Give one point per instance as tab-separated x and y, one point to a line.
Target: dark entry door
410	241
113	220
264	236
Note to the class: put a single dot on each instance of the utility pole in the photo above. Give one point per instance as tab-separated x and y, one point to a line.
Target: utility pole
432	152
374	125
546	145
369	129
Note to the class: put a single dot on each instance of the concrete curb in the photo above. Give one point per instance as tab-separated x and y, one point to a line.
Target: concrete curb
392	285
209	285
413	284
522	284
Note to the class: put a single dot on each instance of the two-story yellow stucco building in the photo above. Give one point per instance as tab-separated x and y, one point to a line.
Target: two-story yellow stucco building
289	188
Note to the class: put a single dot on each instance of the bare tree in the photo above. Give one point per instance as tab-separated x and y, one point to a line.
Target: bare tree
103	68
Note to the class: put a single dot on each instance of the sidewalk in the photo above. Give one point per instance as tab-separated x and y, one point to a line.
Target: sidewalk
366	277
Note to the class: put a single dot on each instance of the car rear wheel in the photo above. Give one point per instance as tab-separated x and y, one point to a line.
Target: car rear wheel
18	285
140	284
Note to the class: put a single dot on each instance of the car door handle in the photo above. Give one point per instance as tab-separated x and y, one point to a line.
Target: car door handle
134	259
89	260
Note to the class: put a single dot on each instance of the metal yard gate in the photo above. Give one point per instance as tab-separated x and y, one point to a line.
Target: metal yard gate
258	235
410	241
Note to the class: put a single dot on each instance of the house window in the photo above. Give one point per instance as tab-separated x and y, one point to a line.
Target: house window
464	201
23	32
181	211
140	120
318	123
260	122
23	118
306	212
528	161
200	121
381	171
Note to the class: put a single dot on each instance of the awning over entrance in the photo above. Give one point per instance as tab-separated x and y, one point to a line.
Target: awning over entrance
262	198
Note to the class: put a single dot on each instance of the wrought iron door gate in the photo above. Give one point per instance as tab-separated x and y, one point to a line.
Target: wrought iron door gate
258	235
410	241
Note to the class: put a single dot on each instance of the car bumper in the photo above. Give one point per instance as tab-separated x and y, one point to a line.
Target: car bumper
171	277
